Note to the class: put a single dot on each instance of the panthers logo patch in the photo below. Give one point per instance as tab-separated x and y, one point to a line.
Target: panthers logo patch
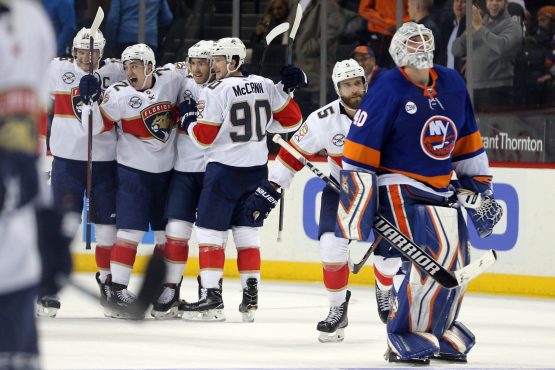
159	119
438	137
76	103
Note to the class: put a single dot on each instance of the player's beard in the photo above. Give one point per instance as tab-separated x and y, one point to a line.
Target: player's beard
353	101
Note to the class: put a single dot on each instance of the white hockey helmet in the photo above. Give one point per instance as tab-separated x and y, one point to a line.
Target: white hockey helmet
201	49
141	52
408	51
230	47
344	70
83	40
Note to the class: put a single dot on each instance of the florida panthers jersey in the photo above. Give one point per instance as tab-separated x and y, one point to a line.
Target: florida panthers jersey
234	114
324	129
146	121
190	158
417	135
68	138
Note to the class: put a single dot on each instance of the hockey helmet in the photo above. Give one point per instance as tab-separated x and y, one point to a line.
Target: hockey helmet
230	47
407	49
83	37
344	70
141	52
201	49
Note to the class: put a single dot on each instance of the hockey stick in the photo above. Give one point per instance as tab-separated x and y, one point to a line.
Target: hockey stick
149	291
355	267
276	31
95	25
402	243
292	34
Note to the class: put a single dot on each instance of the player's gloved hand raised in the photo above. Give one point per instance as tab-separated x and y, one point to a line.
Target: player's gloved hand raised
89	88
188	113
259	204
292	77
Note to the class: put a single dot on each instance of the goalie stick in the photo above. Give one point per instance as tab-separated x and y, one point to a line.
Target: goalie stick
402	243
94	27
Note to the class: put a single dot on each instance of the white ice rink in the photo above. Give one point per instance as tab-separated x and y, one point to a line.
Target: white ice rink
510	333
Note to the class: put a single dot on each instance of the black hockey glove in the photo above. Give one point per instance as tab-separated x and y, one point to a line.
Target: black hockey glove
259	204
55	233
188	113
89	88
292	77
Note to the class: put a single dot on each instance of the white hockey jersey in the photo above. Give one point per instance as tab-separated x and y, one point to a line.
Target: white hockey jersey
146	121
68	137
324	129
190	158
234	115
26	50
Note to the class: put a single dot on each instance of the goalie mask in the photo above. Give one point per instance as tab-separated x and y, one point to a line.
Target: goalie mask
230	47
143	53
413	46
201	50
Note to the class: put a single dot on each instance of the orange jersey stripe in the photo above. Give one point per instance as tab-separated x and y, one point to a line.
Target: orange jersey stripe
398	209
289	161
468	144
290	115
439	182
63	105
361	153
205	134
135	127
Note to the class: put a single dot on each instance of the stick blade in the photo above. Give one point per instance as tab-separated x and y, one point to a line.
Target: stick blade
297	21
476	268
97	21
277	30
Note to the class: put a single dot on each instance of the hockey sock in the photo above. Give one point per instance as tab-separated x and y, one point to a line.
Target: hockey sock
336	278
384	271
176	254
211	261
122	259
248	264
102	256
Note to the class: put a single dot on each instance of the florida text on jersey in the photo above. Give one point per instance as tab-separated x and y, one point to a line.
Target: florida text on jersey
417	134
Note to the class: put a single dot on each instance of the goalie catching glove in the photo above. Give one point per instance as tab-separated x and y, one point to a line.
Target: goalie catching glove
259	204
477	197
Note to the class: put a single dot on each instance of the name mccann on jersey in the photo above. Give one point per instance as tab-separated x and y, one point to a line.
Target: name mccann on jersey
248	88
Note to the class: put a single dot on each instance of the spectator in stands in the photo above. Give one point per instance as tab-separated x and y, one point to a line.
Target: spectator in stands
451	28
497	39
381	16
364	55
122	24
419	12
62	16
277	12
306	48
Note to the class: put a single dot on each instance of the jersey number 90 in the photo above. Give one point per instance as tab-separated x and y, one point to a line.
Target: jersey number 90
249	129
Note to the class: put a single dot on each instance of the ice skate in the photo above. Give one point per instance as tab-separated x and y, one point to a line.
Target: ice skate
121	302
104	289
47	306
383	303
459	358
168	305
394	357
209	307
249	304
332	328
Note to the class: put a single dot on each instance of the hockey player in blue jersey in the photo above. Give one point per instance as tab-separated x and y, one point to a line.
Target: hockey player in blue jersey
414	129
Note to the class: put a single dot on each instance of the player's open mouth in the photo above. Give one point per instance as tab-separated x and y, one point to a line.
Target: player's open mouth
133	80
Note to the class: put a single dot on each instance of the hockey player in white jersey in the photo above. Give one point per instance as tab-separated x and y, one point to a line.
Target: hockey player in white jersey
68	144
30	229
233	115
325	129
185	187
143	109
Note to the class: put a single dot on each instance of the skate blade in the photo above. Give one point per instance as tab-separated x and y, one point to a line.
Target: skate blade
336	336
172	313
208	315
248	316
49	312
117	314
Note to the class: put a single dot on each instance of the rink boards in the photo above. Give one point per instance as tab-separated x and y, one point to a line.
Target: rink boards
524	238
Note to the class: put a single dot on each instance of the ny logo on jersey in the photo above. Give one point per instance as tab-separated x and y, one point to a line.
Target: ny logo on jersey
159	120
438	137
76	103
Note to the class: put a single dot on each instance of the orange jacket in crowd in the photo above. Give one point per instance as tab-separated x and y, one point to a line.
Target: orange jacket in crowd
381	15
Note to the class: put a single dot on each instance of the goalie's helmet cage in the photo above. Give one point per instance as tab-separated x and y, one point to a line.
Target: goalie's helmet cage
413	46
83	40
230	47
344	70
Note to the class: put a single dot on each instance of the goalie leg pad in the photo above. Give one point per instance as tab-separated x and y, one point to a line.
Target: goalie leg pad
358	202
456	342
413	346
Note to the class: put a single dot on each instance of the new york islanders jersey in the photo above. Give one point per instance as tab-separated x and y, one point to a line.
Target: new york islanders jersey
324	129
68	138
417	135
234	114
190	158
146	121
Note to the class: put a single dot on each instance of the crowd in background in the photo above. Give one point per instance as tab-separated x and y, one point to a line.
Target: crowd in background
513	48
